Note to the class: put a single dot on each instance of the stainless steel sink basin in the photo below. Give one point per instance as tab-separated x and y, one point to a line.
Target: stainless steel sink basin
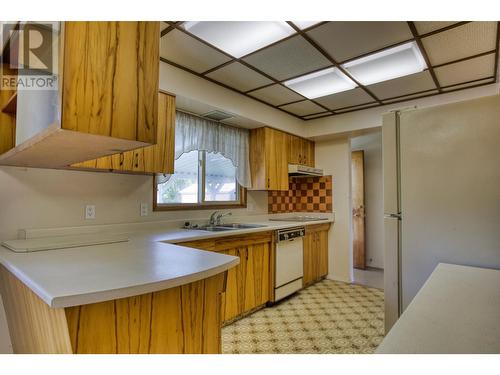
213	228
241	226
224	227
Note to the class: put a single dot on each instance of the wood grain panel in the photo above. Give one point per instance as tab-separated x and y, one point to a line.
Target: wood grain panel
258	159
34	326
133	315
315	253
244	240
257	277
358	210
7	120
110	79
166	322
276	159
158	158
186	319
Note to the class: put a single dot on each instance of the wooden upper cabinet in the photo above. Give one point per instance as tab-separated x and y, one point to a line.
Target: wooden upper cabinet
269	159
158	158
106	100
300	151
110	79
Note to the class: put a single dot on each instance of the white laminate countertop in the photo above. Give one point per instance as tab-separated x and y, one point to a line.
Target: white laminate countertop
148	262
456	311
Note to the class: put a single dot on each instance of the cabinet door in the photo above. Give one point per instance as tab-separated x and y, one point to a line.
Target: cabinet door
322	246
257	277
160	157
308	152
234	299
294	150
309	258
276	159
110	84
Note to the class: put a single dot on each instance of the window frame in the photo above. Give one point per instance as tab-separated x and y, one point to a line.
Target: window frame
241	202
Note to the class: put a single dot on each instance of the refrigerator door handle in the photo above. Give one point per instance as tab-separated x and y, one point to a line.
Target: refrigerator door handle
392	216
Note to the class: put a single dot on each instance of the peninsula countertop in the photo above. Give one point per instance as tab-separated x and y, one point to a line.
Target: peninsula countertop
150	261
456	311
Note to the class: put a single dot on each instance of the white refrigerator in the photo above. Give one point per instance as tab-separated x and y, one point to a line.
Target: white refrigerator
441	170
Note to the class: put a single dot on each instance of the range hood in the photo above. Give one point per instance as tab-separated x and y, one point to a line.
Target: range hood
297	170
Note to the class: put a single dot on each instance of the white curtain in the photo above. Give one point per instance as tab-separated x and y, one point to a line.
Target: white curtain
196	133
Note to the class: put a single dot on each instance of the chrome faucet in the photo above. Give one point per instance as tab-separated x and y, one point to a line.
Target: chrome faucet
216	216
213	219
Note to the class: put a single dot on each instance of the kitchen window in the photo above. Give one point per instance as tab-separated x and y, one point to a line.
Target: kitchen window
202	180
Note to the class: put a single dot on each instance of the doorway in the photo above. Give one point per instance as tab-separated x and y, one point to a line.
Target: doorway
367	223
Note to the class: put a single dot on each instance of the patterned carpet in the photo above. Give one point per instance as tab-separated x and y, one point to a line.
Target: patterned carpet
328	317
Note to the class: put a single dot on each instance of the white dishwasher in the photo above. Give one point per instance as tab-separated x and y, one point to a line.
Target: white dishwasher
289	262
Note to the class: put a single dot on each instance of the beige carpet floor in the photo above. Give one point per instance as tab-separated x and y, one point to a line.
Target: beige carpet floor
327	317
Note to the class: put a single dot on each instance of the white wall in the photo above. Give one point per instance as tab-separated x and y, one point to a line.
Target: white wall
185	84
38	198
334	156
371	144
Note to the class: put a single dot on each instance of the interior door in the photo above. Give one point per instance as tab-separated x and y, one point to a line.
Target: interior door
358	209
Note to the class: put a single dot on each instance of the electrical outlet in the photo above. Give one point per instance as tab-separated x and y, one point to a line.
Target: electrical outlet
144	209
89	212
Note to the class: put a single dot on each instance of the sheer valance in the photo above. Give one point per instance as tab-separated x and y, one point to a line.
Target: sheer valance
196	133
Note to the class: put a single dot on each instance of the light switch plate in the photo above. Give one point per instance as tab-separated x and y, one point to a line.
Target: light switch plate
144	209
89	212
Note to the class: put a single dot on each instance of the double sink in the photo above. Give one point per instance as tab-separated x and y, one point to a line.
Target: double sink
225	227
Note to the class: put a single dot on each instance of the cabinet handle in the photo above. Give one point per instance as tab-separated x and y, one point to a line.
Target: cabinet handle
268	183
136	157
122	158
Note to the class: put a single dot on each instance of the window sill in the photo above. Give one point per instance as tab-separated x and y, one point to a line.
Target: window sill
196	206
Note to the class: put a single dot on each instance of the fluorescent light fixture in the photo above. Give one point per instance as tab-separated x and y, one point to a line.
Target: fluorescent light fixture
239	38
324	82
305	24
388	64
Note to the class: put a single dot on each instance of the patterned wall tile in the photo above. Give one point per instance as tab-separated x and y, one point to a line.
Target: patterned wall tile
305	194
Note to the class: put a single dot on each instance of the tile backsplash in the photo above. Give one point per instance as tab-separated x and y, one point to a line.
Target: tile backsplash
305	194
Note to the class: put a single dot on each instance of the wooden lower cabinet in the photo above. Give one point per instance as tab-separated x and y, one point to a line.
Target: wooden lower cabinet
184	319
315	253
249	284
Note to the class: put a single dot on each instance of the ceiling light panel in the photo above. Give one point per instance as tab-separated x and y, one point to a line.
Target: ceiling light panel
318	84
388	64
239	38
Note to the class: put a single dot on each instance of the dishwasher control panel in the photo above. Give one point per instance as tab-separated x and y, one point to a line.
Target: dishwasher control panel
290	234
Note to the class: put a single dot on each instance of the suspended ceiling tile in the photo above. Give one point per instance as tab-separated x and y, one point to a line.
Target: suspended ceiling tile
303	108
163	25
345	99
424	27
345	40
276	95
358	107
184	50
459	42
414	96
317	115
403	85
239	76
465	85
480	67
290	58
